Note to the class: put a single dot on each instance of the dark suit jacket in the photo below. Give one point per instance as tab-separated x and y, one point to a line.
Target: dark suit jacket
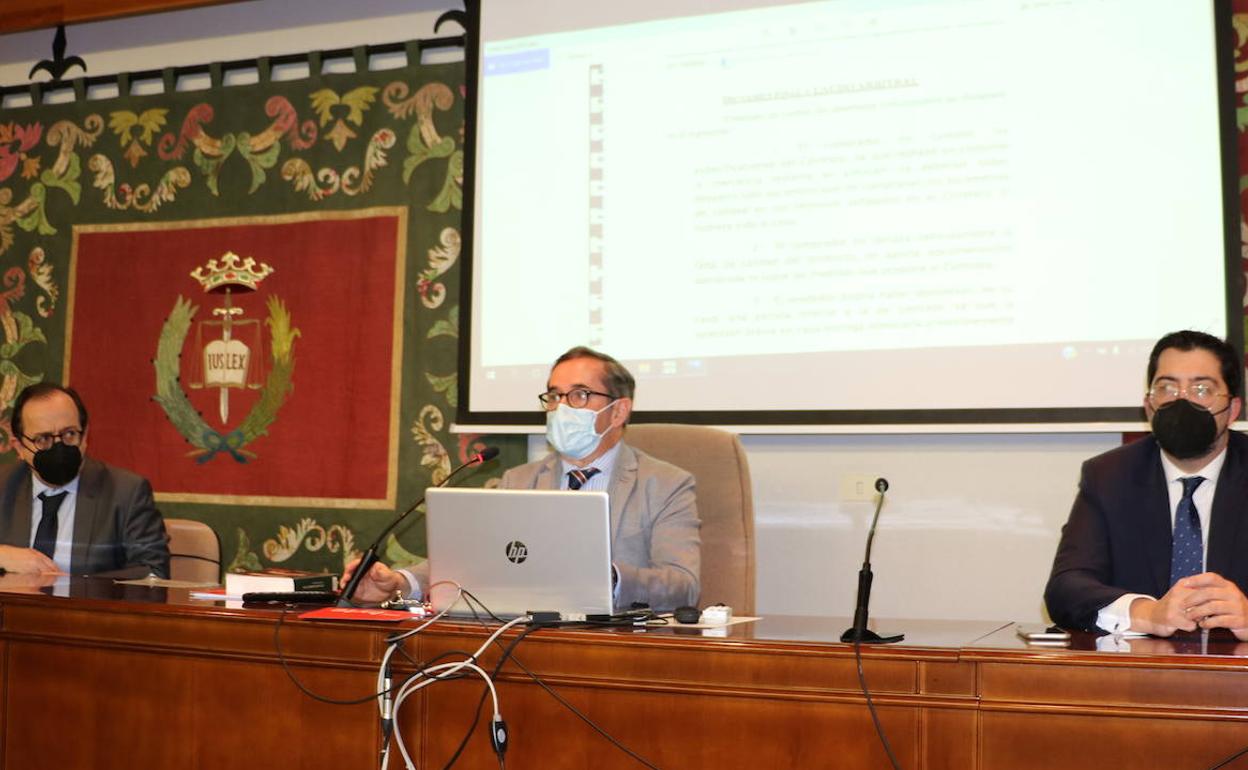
116	524
1118	537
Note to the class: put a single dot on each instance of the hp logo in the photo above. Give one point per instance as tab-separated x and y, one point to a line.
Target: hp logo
517	552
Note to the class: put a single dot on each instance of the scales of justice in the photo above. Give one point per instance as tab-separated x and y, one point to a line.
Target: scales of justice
228	361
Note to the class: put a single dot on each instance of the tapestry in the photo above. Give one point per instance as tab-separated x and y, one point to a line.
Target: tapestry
254	288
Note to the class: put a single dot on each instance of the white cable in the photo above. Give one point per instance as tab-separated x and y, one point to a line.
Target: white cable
418	680
412	685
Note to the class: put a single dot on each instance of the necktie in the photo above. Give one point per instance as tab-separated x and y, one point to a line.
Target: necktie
1186	557
578	476
45	536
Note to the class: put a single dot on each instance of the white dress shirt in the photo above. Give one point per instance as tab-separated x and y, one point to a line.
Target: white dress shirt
64	518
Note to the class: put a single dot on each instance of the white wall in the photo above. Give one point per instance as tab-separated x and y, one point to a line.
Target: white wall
968	530
971	520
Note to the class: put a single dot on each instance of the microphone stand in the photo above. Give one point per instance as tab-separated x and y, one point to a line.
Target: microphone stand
859	632
370	556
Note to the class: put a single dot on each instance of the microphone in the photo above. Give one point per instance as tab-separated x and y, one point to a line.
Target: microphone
859	632
370	556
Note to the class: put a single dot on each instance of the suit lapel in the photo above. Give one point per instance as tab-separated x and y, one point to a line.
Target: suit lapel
1226	518
87	511
1159	528
623	480
549	475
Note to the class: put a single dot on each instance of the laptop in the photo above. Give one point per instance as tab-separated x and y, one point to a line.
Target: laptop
520	550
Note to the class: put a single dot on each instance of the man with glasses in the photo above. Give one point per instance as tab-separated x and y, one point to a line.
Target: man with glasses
655	547
61	512
1157	540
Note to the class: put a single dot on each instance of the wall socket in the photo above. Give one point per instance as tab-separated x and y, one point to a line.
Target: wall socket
858	487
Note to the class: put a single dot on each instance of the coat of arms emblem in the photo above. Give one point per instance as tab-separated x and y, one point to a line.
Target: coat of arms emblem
228	355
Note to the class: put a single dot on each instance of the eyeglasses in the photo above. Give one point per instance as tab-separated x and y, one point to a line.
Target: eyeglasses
68	437
576	398
1199	393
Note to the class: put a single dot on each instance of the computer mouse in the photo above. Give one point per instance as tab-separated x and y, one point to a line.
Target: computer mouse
687	614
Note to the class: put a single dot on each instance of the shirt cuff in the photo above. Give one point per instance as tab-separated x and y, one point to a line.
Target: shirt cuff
1115	617
415	594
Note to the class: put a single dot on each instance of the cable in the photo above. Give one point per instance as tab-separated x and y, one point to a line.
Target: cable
411	687
430	674
281	658
508	654
879	730
1230	759
195	556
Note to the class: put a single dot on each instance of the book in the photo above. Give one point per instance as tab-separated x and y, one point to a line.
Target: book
278	579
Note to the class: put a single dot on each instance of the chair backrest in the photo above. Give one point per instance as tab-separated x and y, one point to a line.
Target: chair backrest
195	551
725	504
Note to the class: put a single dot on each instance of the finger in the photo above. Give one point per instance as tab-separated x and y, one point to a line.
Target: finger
1224	621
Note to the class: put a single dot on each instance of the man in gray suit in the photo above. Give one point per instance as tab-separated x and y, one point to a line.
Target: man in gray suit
61	512
655	546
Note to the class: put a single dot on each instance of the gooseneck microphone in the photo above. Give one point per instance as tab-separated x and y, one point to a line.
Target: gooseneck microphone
859	632
370	556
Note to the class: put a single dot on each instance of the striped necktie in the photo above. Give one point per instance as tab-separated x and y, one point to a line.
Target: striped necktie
578	476
1187	555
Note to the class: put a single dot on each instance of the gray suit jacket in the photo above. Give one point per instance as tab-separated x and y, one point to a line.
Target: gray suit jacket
116	524
654	525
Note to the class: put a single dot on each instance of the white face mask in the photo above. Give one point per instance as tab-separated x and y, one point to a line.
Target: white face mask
571	431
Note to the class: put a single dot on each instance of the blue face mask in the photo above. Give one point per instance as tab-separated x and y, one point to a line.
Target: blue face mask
571	431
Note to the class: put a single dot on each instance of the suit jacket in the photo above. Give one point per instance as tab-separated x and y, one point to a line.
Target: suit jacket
654	525
1118	537
116	524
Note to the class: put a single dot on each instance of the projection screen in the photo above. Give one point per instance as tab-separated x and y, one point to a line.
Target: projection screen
846	212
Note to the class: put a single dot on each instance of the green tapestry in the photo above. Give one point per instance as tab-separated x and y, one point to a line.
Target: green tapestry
332	204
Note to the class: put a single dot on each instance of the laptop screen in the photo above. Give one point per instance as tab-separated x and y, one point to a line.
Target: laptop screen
521	550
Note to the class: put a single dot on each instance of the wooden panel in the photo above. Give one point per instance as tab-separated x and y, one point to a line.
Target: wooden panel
17	15
204	633
175	711
670	730
1113	685
1045	741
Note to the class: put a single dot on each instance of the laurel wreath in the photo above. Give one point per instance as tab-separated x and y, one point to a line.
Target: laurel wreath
209	442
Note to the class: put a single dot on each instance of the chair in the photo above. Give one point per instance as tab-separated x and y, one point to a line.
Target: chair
725	504
195	551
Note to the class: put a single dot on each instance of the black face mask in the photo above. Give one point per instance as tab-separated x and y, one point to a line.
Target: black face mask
58	464
1185	430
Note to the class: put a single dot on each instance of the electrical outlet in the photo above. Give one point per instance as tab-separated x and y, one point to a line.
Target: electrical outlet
857	487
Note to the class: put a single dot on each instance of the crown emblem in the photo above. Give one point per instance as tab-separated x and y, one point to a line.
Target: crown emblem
232	270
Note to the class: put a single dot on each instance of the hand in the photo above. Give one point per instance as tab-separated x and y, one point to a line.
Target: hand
378	585
26	582
1164	616
1216	602
26	561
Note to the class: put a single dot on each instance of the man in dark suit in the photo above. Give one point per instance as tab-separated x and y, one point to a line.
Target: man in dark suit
1157	540
61	512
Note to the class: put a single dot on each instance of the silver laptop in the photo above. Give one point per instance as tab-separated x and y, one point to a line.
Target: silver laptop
521	550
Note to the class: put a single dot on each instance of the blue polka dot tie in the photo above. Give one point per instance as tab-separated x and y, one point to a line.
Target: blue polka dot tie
578	476
1187	555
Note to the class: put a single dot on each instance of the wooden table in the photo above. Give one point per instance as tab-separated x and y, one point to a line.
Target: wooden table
135	677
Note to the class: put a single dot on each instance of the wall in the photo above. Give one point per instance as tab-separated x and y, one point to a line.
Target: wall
971	520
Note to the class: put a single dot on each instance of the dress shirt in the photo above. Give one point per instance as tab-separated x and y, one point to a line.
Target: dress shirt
600	481
64	518
1116	616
